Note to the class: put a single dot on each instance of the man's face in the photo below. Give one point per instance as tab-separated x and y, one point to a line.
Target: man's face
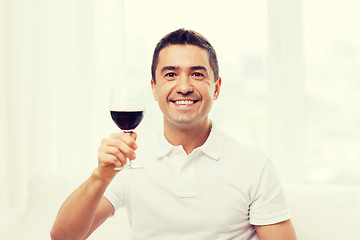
185	88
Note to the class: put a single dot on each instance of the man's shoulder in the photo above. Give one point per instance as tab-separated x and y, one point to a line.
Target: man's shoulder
235	147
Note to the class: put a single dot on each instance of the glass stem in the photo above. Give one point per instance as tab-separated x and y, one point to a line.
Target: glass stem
129	132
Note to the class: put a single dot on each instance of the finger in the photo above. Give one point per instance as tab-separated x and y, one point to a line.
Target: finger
106	160
133	135
126	138
110	150
121	147
116	152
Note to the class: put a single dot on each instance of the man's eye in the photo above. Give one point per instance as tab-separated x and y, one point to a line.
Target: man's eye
170	75
198	76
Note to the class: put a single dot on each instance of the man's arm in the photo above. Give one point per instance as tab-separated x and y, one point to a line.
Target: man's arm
78	213
279	231
86	208
104	211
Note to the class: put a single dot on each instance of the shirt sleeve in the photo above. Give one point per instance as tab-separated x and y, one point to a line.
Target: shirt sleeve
268	204
115	192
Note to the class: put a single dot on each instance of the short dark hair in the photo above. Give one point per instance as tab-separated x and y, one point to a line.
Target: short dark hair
184	37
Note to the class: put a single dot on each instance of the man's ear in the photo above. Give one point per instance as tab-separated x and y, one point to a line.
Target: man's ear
217	88
153	87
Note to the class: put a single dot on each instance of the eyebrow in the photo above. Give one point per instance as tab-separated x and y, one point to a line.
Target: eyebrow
167	68
198	68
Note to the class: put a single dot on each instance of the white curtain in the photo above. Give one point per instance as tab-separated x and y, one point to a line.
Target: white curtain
58	60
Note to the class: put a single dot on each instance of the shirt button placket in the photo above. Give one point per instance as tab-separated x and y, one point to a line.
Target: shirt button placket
186	189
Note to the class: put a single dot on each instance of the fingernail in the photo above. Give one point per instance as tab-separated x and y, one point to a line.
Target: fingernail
132	156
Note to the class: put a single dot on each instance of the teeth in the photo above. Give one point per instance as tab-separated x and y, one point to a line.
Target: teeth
184	102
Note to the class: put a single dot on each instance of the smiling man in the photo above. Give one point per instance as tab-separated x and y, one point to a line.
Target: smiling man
194	181
185	87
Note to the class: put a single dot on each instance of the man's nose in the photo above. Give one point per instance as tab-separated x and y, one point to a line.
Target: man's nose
184	85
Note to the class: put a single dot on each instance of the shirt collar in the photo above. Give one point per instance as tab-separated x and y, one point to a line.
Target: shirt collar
162	146
213	146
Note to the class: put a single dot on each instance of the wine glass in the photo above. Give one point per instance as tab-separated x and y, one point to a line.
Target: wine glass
127	109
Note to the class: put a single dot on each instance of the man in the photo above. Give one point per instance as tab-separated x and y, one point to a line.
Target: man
192	180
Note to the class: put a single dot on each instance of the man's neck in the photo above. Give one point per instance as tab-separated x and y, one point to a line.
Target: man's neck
190	137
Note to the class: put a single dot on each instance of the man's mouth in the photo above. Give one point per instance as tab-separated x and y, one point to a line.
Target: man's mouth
184	102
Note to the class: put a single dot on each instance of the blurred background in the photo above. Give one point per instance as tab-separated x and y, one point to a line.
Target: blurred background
290	71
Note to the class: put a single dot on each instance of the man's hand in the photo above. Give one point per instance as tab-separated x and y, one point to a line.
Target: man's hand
114	152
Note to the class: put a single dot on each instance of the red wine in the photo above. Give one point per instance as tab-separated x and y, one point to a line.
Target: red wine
127	120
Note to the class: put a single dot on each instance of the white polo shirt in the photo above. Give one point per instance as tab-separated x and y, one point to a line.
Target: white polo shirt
219	191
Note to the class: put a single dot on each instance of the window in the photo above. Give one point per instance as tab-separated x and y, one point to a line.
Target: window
332	90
